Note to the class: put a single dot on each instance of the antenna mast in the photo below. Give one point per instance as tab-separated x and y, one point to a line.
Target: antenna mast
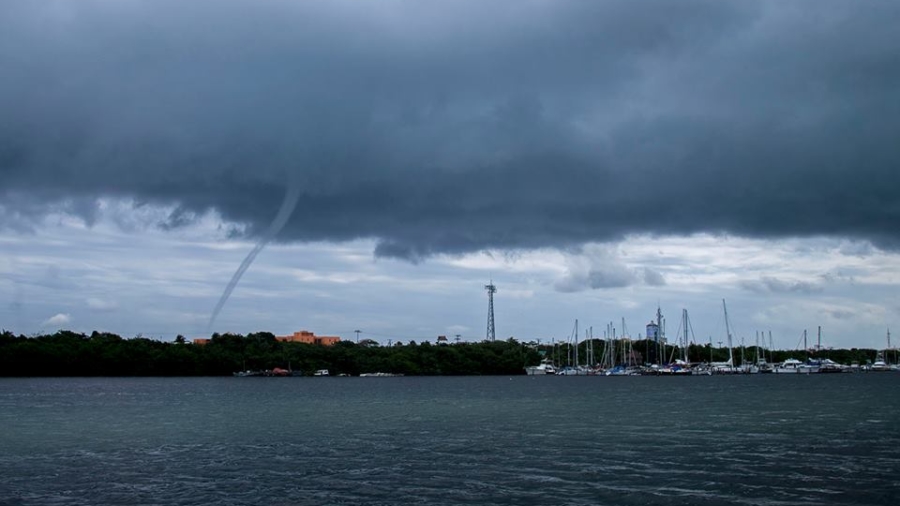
491	290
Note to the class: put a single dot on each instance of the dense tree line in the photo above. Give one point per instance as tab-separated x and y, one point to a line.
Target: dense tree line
67	353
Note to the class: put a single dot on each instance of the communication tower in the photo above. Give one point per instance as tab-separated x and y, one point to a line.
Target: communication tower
491	290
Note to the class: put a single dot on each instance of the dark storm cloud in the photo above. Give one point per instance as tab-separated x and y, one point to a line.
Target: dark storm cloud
456	126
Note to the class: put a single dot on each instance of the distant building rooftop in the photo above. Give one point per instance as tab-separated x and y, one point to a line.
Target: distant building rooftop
307	337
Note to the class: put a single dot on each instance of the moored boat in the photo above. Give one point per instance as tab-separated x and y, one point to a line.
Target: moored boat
879	365
248	373
794	366
544	368
827	366
789	366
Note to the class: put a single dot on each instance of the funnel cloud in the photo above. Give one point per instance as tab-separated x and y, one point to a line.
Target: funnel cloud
284	213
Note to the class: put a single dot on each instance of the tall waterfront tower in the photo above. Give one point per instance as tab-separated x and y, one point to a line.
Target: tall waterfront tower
491	290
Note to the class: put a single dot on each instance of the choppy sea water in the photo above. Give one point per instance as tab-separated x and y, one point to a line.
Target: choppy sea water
761	440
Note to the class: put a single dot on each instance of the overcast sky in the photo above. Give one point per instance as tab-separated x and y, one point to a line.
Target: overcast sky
594	158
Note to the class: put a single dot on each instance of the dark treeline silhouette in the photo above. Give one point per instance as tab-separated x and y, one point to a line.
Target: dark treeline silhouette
67	353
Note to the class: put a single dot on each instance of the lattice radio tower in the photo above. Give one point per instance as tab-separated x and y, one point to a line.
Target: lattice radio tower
491	290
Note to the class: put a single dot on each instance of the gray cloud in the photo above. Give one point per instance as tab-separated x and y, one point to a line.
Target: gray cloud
653	277
769	284
840	314
100	304
598	278
453	127
839	276
597	267
860	249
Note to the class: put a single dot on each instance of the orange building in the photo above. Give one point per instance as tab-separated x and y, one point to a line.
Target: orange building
307	337
201	341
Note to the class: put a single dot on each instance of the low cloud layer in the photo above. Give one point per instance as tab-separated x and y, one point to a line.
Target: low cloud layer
458	126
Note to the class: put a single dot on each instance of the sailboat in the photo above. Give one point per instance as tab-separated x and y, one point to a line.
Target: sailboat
681	366
570	370
761	365
880	364
725	367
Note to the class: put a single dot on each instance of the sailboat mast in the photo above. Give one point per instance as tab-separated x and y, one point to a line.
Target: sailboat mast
742	353
889	345
607	346
590	361
805	347
615	347
728	334
757	347
576	343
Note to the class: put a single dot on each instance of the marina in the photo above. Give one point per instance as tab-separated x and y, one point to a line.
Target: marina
619	358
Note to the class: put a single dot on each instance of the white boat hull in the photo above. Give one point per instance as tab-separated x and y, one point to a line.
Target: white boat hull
784	370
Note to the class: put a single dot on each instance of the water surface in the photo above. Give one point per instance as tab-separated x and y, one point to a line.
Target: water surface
761	440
